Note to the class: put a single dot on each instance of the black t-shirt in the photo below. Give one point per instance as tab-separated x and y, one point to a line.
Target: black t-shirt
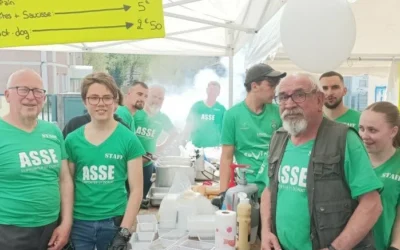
81	120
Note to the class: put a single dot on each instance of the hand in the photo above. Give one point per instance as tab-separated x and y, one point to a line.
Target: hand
118	243
160	149
60	237
269	241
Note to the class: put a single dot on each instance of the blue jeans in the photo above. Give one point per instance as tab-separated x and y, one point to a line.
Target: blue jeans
86	235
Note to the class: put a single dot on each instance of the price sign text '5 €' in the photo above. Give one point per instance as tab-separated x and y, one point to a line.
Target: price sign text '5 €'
28	22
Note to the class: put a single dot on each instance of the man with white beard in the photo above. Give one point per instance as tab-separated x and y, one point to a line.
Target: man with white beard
321	192
150	122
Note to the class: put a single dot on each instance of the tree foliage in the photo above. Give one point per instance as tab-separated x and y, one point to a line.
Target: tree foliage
126	68
97	60
177	71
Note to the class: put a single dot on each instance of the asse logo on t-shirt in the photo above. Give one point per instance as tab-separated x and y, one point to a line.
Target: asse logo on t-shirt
148	132
37	159
98	174
207	117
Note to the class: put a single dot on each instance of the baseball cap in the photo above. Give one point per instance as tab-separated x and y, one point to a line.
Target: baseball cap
260	71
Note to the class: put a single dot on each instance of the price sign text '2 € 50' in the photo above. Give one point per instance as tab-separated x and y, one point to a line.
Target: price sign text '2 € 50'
27	22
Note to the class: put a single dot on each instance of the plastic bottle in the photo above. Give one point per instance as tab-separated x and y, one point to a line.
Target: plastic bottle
244	221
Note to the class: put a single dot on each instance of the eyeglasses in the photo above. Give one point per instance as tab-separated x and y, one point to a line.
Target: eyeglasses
95	100
24	91
297	97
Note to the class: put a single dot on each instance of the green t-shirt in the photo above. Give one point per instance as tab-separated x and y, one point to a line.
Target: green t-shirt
389	173
124	113
101	172
351	118
29	174
149	128
206	124
293	225
250	134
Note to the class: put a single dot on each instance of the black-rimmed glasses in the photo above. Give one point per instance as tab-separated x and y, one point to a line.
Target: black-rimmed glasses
24	91
95	100
297	97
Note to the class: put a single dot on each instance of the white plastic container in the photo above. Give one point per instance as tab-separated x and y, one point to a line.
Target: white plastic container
145	236
207	239
146	223
184	211
161	232
160	244
202	226
168	211
195	245
175	235
140	245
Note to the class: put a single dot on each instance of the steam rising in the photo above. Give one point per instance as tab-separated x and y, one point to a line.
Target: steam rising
177	106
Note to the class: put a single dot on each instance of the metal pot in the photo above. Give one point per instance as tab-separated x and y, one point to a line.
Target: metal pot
175	160
165	174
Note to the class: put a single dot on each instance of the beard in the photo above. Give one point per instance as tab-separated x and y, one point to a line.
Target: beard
154	109
139	105
333	105
294	126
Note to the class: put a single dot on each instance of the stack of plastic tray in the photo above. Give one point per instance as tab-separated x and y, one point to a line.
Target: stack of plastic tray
167	240
146	223
176	235
146	232
161	244
192	245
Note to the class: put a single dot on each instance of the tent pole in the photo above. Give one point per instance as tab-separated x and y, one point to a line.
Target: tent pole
43	70
230	78
231	52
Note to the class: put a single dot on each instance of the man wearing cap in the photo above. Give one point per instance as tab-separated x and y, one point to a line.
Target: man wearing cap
248	126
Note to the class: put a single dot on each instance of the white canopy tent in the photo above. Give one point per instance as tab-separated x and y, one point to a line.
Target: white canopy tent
193	27
377	40
376	51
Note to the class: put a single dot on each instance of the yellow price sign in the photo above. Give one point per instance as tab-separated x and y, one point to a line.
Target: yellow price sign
29	22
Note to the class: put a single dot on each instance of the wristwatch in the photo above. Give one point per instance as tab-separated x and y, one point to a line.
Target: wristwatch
330	247
124	232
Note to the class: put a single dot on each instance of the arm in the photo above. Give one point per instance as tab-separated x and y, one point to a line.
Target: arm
67	194
71	167
396	230
363	184
172	134
269	241
135	178
60	235
186	132
170	129
228	149
363	219
265	209
224	171
189	125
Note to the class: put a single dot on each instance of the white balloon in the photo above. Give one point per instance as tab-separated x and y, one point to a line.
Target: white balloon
318	35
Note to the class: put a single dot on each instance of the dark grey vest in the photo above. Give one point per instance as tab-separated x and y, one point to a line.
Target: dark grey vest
329	198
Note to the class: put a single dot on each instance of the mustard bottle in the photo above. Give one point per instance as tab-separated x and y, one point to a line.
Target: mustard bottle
244	221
